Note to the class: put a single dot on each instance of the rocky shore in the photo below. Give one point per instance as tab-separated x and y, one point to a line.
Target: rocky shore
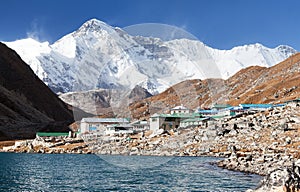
46	145
254	142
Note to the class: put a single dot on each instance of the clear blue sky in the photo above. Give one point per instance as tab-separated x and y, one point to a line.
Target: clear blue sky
220	24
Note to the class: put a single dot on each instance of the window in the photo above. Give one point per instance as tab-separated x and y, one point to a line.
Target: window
153	119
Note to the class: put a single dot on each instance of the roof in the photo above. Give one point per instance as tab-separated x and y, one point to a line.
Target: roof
236	108
218	116
104	120
211	111
279	105
139	122
180	107
177	115
52	134
256	105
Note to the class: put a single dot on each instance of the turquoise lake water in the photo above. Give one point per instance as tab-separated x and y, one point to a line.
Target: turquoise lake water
72	172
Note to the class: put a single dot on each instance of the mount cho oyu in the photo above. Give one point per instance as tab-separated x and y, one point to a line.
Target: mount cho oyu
98	55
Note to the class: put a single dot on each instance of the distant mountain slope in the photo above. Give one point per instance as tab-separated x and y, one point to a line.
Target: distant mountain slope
264	85
26	103
251	85
100	56
105	102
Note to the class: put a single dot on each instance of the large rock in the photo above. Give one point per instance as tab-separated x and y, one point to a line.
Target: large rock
282	180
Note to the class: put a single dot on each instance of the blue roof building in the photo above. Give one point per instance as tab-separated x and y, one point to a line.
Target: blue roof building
256	106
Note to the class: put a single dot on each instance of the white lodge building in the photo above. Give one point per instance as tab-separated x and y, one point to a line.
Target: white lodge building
180	109
88	125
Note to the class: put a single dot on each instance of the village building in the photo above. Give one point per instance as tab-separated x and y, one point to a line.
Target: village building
224	112
98	125
139	126
204	121
164	121
256	107
119	129
179	120
207	112
237	110
172	120
180	109
129	128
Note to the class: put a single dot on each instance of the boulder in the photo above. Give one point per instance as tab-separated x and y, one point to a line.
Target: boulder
282	180
20	144
156	133
288	140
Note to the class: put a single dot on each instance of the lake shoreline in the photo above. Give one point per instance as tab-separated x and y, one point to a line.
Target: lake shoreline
168	144
171	144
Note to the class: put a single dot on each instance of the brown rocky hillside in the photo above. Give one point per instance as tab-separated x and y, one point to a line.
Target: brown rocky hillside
251	85
27	105
191	93
266	85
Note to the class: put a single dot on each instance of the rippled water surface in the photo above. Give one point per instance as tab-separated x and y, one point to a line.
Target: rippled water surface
68	172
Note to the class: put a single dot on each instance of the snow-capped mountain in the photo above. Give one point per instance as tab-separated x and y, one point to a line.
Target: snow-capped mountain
100	56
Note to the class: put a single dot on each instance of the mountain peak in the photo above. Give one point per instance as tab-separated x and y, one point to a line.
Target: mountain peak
94	25
258	45
94	22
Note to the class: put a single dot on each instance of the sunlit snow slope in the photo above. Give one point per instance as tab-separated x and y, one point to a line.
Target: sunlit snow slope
100	56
